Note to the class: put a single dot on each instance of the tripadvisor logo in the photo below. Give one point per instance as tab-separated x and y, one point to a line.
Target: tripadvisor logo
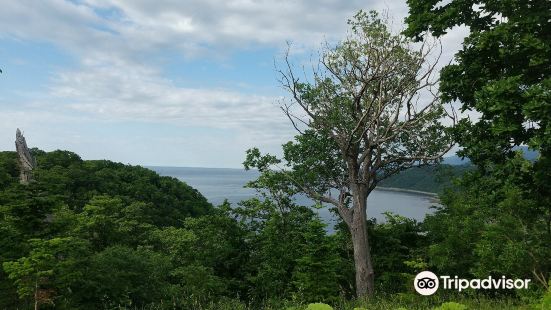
427	283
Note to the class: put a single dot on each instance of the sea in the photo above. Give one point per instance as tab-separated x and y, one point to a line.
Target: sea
219	184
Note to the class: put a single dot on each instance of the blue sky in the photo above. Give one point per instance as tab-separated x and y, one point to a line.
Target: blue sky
175	83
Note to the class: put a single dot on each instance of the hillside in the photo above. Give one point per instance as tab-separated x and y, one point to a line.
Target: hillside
75	181
84	234
437	177
427	178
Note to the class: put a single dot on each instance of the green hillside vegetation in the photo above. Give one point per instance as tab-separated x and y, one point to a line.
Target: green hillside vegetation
437	178
433	179
83	233
103	235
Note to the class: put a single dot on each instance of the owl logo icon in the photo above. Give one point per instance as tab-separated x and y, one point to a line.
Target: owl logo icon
426	283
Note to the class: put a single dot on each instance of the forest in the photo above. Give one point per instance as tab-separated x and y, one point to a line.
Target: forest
96	234
103	235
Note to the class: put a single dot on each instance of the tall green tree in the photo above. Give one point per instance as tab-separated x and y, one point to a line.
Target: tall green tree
47	274
121	276
503	71
315	275
290	253
364	121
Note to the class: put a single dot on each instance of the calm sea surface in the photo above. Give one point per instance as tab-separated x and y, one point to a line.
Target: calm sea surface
217	184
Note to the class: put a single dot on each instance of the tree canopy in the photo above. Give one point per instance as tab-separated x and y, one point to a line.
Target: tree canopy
503	72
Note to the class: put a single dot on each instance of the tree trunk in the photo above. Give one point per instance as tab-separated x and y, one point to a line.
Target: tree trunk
365	275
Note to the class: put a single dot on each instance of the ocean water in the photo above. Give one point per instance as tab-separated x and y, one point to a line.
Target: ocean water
217	184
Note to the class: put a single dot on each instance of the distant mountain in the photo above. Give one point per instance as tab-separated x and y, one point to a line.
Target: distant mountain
456	160
435	178
427	178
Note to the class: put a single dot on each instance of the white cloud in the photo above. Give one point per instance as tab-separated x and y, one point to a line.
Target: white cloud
131	28
110	38
139	93
233	22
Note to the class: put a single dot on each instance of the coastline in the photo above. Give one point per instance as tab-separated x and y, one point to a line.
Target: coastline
412	191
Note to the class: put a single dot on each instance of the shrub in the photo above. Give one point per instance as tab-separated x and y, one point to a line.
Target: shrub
319	306
451	306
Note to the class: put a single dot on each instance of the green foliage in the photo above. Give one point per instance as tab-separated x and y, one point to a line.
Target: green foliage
85	234
290	253
546	299
207	255
395	242
50	269
451	306
491	226
8	168
498	221
319	306
433	178
120	275
315	274
502	71
75	242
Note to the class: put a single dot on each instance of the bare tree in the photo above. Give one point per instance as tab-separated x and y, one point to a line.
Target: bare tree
371	111
26	161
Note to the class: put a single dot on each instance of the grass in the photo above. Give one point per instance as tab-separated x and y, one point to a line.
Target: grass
398	301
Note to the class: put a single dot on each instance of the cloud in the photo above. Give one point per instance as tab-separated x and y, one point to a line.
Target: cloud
231	23
129	31
132	28
142	94
112	38
126	29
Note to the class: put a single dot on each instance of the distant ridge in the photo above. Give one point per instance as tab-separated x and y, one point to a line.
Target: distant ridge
457	161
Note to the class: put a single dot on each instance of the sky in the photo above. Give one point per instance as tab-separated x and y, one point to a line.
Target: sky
167	83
